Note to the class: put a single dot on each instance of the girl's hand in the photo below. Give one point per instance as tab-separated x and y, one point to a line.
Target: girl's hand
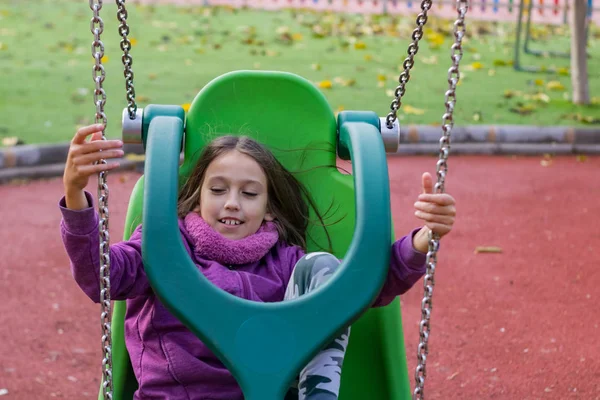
82	156
436	210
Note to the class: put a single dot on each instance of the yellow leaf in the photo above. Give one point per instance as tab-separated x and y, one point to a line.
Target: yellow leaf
477	65
500	63
381	77
541	97
297	36
135	157
581	158
435	39
104	59
325	84
142	98
563	71
368	57
3	46
430	60
406	109
360	45
555	85
152	76
539	82
133	41
488	249
186	107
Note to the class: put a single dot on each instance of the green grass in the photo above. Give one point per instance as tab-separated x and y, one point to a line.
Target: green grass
46	65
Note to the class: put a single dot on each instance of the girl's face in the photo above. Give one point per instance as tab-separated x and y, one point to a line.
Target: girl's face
233	197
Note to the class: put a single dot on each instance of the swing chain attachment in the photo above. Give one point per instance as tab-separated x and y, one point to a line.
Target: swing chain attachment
126	58
99	74
441	170
408	63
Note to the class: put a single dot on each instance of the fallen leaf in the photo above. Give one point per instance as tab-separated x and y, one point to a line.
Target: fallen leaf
325	84
541	97
11	141
555	85
430	60
360	45
522	109
135	157
476	65
581	158
186	107
435	40
406	109
488	249
454	375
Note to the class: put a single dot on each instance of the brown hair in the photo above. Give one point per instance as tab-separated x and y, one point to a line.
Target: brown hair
288	199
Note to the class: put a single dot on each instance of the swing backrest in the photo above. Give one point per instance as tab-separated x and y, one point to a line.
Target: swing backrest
291	117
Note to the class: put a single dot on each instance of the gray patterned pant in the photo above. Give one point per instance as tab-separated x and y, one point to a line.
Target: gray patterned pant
320	379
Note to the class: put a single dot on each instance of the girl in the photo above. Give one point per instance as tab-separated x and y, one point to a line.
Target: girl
243	219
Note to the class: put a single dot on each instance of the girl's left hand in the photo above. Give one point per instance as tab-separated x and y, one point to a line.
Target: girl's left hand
436	210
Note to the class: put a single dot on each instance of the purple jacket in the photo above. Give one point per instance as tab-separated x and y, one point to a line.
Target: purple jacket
169	362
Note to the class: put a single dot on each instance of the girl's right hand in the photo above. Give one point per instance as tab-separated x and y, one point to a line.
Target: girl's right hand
82	156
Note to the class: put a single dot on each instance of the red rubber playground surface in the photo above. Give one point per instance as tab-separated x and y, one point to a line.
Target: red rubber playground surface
520	324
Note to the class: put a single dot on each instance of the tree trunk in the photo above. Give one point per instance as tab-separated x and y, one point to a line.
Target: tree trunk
579	71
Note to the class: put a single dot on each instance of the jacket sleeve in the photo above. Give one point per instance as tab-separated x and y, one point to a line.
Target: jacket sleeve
407	266
79	232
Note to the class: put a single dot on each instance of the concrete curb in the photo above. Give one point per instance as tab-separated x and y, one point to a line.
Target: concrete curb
45	161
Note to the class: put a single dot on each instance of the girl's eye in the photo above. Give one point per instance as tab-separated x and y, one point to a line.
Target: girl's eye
250	194
217	190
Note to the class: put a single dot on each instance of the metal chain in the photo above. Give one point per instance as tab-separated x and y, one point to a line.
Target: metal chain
442	170
404	77
98	73
126	58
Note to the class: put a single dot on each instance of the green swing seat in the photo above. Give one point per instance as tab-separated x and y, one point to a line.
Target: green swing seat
292	117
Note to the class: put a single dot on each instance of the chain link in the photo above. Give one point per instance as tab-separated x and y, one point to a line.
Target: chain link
409	62
98	74
441	170
126	58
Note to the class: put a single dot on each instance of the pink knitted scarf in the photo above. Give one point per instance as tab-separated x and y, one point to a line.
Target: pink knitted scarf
209	244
